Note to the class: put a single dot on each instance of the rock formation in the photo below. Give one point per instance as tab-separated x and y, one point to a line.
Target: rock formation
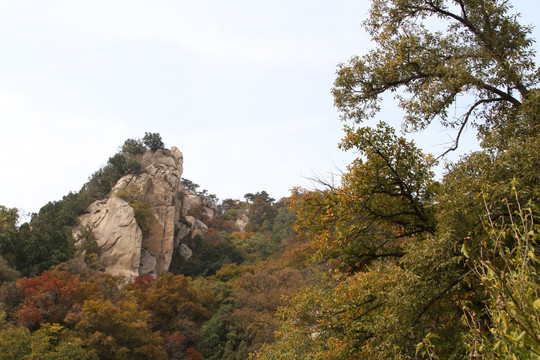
242	221
124	249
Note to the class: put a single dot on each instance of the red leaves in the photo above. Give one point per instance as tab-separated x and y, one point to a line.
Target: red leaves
144	281
174	344
48	298
193	354
28	315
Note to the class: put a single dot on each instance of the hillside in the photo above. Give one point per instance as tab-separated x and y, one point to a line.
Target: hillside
171	251
389	262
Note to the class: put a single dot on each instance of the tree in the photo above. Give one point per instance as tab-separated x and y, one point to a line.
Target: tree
509	271
47	240
282	228
384	202
190	185
483	56
174	305
48	298
119	331
133	147
6	272
214	334
51	342
377	231
153	141
9	246
407	253
211	251
262	195
261	215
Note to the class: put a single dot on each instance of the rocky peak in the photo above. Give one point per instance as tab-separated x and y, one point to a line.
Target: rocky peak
127	250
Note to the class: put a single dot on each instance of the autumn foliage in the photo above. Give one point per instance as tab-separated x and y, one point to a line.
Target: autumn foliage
389	262
47	298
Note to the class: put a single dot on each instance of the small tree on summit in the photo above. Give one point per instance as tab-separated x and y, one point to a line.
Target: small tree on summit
133	147
153	141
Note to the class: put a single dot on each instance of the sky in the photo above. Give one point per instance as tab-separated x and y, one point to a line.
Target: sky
241	87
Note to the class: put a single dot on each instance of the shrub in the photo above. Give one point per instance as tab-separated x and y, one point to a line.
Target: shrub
143	210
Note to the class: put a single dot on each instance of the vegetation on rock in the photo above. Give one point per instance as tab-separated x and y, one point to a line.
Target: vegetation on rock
391	263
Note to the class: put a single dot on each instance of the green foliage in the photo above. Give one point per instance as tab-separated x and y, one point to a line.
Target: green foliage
8	233
261	195
257	245
51	342
389	232
508	268
190	185
143	211
103	180
214	335
483	52
210	252
385	201
133	147
47	240
153	141
88	247
283	223
6	272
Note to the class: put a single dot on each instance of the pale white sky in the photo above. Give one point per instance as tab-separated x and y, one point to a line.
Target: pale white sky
241	87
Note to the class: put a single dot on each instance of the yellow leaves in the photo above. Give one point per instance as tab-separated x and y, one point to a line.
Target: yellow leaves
242	236
465	250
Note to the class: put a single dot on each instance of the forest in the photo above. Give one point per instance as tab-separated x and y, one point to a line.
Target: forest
388	262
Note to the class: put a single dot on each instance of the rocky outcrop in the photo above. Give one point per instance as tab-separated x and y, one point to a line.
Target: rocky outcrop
124	249
117	234
242	221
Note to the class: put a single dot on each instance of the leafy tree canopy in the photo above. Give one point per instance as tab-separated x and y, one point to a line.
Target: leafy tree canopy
479	57
153	141
133	147
409	253
262	195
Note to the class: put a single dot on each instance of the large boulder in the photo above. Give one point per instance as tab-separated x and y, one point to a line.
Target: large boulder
118	236
242	222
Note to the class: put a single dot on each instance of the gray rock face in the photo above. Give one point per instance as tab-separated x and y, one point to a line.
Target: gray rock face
185	251
123	248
